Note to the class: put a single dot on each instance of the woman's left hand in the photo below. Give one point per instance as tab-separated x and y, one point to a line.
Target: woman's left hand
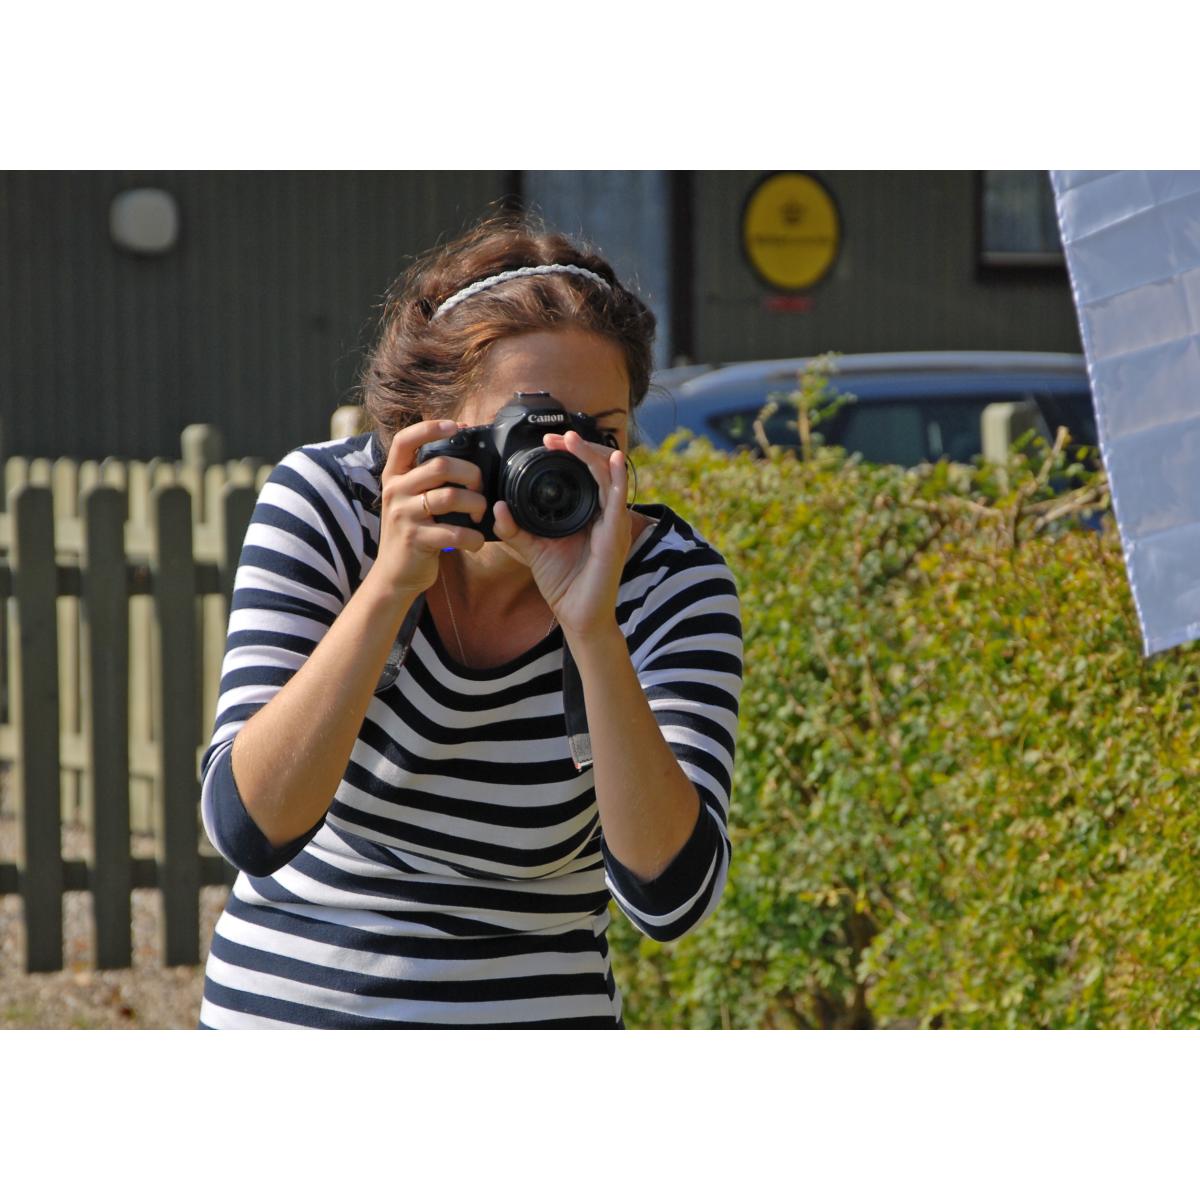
579	575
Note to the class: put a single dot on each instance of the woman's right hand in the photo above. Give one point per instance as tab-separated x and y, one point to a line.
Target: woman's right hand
410	540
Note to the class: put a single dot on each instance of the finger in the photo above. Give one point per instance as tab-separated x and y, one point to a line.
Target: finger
574	443
508	531
441	472
612	532
581	447
593	456
597	456
402	452
438	502
618	471
612	494
503	523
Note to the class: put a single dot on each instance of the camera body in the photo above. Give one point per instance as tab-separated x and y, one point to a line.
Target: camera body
550	493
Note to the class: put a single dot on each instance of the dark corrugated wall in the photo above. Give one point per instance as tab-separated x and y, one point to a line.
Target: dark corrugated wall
256	321
906	277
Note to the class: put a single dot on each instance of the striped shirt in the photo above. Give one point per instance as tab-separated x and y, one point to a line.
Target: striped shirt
460	876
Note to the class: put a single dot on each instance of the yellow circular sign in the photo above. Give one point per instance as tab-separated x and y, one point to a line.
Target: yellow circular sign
790	231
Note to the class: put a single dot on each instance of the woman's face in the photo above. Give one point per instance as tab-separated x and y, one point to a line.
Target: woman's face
583	371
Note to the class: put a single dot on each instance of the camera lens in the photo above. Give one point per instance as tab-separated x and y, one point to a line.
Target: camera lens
550	493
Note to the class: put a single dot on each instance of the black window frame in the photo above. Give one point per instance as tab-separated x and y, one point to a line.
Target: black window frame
991	262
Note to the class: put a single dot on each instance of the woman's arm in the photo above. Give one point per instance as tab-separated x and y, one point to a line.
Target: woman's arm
648	806
289	758
661	733
684	655
306	649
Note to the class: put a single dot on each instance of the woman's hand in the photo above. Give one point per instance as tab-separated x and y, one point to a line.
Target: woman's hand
410	540
579	575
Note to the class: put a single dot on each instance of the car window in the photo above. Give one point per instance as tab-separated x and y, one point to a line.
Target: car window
1075	411
891	433
952	427
903	430
780	428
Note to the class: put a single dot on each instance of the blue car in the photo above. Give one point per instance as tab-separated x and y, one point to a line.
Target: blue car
906	408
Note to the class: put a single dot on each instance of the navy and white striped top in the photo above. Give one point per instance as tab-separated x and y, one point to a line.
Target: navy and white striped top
460	876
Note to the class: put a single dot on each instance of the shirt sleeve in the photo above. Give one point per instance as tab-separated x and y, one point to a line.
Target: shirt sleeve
299	564
687	652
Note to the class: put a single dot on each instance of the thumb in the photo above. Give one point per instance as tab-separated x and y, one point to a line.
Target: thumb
509	532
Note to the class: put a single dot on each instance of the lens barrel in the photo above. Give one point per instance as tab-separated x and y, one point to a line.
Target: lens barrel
551	493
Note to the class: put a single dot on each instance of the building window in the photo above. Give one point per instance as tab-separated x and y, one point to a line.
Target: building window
1018	225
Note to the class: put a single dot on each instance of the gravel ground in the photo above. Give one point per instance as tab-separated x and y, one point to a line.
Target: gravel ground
144	996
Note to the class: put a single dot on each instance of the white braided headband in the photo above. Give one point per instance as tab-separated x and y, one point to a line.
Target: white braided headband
504	276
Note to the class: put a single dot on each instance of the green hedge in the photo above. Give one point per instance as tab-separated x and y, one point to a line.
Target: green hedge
963	797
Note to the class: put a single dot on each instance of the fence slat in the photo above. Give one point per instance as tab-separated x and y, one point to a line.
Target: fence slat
237	507
142	733
115	472
16	474
138	484
177	666
106	720
37	775
64	476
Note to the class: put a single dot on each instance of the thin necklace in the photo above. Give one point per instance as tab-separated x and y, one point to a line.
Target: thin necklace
462	654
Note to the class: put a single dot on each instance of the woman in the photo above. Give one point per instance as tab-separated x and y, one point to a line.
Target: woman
421	844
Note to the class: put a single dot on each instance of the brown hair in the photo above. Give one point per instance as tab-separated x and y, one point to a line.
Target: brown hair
420	368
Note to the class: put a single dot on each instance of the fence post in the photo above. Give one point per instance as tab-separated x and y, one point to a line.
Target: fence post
348	420
105	605
200	447
65	477
178	841
141	620
39	854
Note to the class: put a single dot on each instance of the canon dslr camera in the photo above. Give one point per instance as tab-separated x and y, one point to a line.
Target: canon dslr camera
549	492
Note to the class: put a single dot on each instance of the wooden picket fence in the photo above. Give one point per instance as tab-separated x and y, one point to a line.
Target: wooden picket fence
116	578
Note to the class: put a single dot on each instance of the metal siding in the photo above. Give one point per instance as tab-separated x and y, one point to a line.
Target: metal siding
255	321
905	279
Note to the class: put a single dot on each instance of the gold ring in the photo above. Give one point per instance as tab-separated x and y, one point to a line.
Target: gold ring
425	502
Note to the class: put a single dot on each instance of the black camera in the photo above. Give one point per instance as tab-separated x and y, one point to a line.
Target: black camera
550	493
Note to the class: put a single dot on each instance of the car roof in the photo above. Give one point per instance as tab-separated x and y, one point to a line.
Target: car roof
900	362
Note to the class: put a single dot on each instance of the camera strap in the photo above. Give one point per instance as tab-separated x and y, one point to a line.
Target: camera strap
575	710
399	650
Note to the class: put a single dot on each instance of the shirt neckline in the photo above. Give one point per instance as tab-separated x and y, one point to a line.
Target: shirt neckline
554	639
551	641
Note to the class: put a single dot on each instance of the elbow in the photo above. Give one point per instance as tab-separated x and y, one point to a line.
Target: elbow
231	829
683	897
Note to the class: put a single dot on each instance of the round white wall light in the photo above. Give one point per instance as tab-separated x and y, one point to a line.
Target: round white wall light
144	221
